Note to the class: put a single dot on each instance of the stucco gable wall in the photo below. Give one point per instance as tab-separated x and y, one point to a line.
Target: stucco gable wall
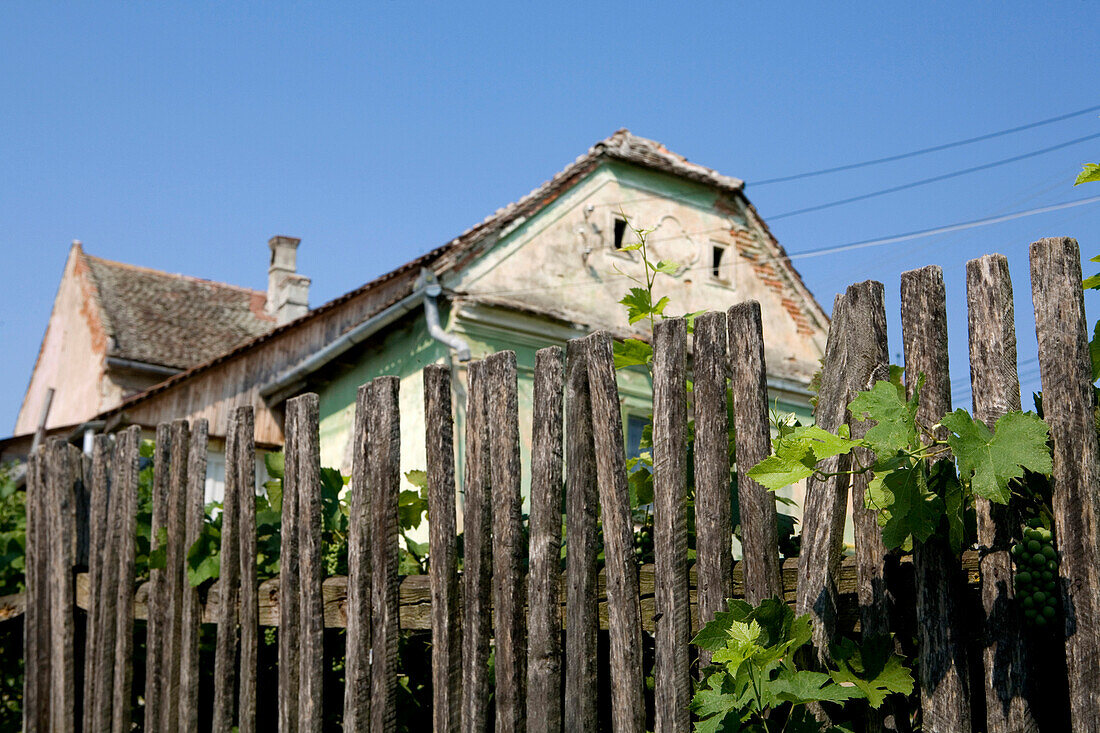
71	358
563	261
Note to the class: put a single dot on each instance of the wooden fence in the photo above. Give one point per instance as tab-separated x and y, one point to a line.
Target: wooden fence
539	683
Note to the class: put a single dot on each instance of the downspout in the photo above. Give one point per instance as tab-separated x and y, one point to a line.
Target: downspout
432	290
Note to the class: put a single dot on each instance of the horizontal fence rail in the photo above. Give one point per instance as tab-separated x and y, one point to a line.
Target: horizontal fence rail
533	596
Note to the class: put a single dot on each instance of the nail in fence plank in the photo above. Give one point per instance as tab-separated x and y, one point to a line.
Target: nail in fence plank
581	510
63	473
672	681
748	382
124	506
509	624
157	626
826	501
104	554
943	672
250	612
99	496
384	449
229	584
1068	407
174	574
289	583
446	613
36	629
995	390
713	527
867	360
624	613
357	654
194	516
477	555
311	569
544	702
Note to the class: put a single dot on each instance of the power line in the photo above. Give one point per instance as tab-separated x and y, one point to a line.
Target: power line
922	151
933	179
920	234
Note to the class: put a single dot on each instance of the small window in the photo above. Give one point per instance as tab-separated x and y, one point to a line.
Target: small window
620	232
635	425
718	252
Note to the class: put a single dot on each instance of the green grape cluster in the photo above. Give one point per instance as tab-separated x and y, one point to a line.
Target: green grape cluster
1037	575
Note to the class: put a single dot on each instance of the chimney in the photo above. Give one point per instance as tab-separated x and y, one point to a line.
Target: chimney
287	291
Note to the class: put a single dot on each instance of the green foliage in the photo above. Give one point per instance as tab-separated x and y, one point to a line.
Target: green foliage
13	526
1089	174
754	683
915	494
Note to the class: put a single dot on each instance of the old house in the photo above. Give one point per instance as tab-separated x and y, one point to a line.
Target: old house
547	268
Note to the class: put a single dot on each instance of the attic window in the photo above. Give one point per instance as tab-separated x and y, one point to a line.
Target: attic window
620	232
718	251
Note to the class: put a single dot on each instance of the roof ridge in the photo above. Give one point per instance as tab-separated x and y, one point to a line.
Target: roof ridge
174	275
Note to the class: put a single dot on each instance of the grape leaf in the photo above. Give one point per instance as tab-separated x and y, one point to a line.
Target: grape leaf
632	352
804	686
944	482
1094	345
872	667
989	460
778	471
906	506
667	267
638	304
797	452
895	426
1089	174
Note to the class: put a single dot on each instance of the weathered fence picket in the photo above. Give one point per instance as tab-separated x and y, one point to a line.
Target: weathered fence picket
1068	407
384	477
624	611
477	571
84	509
943	670
443	549
672	679
748	384
357	650
713	527
995	390
823	516
544	579
191	618
581	505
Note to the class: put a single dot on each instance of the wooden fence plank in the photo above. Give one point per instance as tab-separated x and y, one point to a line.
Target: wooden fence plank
311	569
174	574
36	623
100	650
867	360
995	390
443	549
943	672
229	583
509	624
124	493
357	654
289	581
581	509
99	496
748	382
477	555
1068	407
713	528
384	447
157	626
192	606
825	510
544	701
249	613
672	679
63	471
624	622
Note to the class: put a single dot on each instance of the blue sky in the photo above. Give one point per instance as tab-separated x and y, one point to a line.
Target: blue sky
180	136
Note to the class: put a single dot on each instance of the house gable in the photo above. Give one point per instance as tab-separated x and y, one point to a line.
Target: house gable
564	261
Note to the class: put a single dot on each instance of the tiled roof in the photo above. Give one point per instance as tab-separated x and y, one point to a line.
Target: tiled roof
173	320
